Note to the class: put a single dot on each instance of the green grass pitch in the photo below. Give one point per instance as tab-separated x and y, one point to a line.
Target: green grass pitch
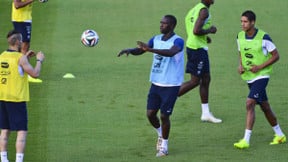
100	115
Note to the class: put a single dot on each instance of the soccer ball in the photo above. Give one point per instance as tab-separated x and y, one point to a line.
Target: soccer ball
89	38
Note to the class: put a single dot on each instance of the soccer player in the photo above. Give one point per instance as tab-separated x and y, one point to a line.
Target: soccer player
167	73
198	26
257	55
22	22
14	93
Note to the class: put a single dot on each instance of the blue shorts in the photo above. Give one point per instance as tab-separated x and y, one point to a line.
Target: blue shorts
162	98
197	62
13	116
25	29
258	90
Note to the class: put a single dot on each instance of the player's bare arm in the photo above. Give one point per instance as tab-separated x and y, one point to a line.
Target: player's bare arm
275	57
30	54
198	30
240	67
27	67
164	52
19	4
132	51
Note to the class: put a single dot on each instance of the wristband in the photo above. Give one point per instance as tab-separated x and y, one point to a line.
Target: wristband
39	61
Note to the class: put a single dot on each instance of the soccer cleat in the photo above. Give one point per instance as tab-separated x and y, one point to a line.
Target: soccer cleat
208	117
158	144
242	144
162	152
34	80
278	140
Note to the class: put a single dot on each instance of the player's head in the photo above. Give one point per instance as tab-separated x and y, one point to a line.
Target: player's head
248	19
172	19
207	2
168	23
14	38
250	15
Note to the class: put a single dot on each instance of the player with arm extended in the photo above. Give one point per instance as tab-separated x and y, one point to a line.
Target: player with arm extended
166	77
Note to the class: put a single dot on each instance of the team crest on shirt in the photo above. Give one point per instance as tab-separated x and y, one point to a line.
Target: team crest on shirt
5	65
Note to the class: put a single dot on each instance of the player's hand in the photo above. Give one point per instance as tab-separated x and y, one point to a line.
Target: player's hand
255	69
213	29
40	56
30	54
209	40
124	51
143	45
241	69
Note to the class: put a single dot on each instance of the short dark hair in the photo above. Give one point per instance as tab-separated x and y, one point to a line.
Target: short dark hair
13	36
12	32
250	15
172	19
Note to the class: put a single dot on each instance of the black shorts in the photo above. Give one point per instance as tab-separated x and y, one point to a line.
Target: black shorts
258	90
162	98
197	62
25	29
13	116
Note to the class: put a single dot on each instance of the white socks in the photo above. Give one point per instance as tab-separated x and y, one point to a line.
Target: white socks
19	157
4	157
164	144
247	135
278	130
159	131
205	108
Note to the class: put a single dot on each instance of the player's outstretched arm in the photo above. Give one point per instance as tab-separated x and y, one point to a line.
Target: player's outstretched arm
164	52
132	51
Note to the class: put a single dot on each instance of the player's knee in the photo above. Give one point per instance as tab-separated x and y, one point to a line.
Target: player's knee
4	134
164	118
150	114
206	80
250	104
